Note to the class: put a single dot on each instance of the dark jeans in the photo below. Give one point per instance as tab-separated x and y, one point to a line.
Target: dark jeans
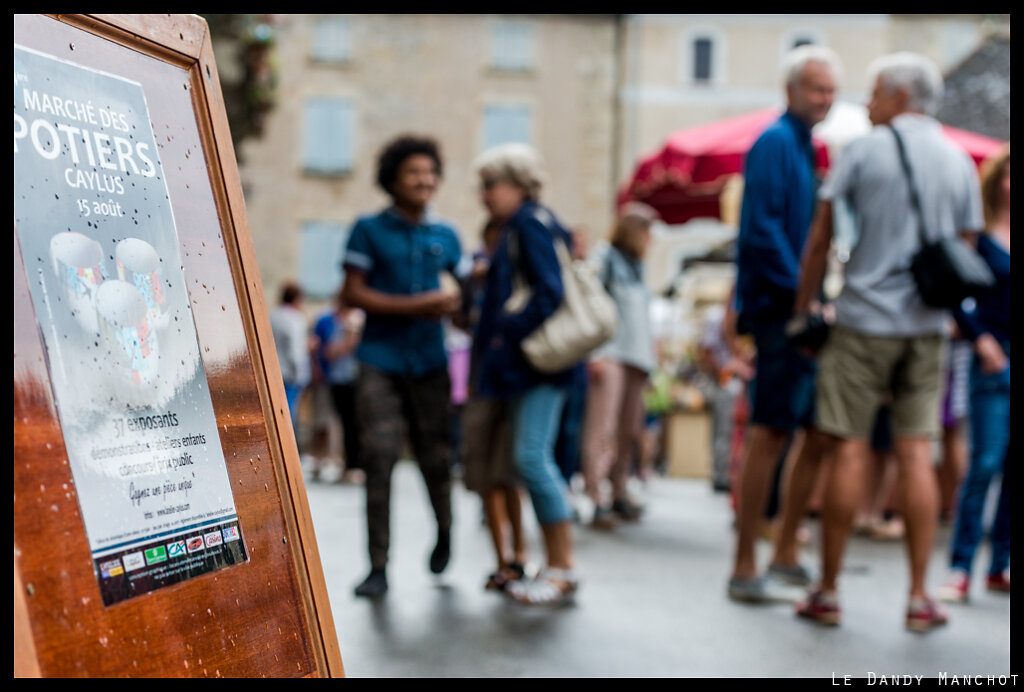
990	455
344	398
567	446
392	408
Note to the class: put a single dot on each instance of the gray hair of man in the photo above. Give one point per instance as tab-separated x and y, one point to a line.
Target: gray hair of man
913	73
515	163
796	60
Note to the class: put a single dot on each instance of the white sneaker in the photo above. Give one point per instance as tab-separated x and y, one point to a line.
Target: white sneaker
955	588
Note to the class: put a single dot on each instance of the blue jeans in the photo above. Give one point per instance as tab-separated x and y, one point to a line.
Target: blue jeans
990	455
293	392
535	420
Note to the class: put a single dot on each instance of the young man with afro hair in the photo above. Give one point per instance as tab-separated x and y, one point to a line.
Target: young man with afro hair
392	264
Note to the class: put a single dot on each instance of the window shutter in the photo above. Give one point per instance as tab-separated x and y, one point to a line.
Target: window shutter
328	146
503	124
321	247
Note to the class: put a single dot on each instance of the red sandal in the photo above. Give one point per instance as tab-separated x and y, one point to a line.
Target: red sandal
820	608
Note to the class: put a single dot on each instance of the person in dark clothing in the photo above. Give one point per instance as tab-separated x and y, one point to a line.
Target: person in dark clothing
987	327
392	271
337	332
487	444
778	206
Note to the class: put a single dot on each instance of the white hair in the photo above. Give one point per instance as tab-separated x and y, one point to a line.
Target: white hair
913	73
516	163
796	60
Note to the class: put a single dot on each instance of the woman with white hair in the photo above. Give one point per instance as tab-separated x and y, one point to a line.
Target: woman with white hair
510	181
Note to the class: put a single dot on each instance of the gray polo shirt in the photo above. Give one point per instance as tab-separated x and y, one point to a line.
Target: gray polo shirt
879	296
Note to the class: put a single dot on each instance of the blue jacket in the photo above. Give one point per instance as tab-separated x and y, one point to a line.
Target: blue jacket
778	205
992	312
504	372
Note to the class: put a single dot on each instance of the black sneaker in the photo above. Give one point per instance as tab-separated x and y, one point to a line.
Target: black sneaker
626	510
374	586
442	551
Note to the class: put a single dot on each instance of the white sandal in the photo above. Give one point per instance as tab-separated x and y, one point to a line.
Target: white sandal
552	587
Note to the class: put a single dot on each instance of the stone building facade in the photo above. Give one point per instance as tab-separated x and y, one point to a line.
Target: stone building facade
593	93
682	70
349	83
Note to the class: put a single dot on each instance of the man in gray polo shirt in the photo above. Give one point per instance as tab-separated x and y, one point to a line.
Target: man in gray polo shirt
886	340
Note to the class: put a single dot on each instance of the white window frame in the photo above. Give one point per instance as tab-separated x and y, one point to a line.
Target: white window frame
506	32
344	166
687	65
331	24
507	105
314	264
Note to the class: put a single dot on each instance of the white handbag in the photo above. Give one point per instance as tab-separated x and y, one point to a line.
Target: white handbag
586	319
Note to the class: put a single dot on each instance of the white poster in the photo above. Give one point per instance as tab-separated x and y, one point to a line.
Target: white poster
100	247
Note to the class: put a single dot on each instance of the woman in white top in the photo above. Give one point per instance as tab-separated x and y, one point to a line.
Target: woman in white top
618	370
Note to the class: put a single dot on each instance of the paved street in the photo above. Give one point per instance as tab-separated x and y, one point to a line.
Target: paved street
652	603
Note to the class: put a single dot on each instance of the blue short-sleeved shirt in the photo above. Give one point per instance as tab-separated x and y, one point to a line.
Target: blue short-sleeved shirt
403	258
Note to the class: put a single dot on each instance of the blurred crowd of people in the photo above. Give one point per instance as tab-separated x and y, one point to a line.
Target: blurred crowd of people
859	386
830	404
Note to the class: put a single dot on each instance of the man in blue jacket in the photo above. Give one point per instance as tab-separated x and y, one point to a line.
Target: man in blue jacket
392	271
778	206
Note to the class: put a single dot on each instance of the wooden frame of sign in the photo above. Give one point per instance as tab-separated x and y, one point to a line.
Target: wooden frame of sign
247	596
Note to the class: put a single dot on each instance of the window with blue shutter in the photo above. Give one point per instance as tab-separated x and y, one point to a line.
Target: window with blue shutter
321	247
512	46
328	137
503	124
332	40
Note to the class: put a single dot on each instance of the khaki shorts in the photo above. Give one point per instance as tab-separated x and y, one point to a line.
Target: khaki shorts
857	370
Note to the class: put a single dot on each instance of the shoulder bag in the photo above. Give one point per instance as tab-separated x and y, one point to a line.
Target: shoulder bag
946	270
586	319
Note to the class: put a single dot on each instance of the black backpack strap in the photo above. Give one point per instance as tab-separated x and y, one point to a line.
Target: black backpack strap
915	201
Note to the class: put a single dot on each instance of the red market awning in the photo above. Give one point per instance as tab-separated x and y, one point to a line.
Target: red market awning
683	180
978	146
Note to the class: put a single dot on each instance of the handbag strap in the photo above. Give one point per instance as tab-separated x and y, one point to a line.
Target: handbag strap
561	251
915	201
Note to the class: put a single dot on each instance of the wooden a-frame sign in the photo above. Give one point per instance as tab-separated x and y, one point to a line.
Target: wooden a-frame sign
160	519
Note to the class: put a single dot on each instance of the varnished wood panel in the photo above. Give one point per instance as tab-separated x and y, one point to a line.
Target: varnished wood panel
269	616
